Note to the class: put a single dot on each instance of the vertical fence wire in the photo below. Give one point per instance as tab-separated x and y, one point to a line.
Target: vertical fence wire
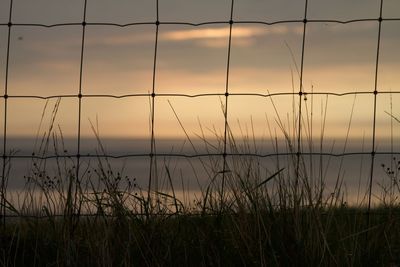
373	152
78	155
228	61
4	157
153	159
299	139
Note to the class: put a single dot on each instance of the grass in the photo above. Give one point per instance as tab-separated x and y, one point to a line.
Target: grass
277	217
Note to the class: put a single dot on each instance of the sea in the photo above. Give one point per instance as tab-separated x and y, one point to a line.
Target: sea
187	168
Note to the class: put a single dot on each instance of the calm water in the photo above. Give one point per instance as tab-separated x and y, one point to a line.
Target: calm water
190	175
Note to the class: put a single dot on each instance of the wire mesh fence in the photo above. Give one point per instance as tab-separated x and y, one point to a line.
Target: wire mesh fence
300	92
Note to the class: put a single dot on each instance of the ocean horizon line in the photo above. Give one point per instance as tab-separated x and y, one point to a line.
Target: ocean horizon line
263	146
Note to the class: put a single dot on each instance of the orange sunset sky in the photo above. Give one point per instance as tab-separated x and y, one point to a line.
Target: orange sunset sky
192	60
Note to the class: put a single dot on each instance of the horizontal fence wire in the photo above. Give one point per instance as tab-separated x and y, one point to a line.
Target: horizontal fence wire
199	155
198	95
153	94
198	24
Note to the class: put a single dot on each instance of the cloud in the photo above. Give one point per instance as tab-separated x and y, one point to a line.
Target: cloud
217	37
120	39
211	33
223	43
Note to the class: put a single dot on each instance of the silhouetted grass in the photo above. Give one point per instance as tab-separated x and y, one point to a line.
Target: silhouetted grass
283	219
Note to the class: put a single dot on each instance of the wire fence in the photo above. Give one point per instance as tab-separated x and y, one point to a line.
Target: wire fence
226	96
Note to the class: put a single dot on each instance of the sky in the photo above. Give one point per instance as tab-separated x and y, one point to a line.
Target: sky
191	60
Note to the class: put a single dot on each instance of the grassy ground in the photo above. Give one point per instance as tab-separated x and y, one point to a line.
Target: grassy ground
308	237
